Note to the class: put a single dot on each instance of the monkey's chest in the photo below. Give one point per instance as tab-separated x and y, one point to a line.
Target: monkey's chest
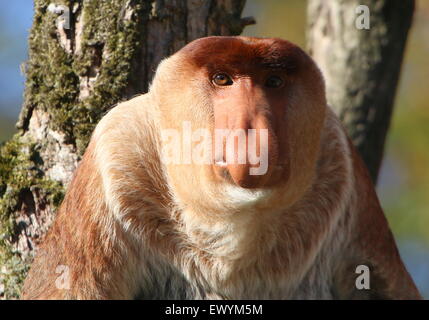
172	282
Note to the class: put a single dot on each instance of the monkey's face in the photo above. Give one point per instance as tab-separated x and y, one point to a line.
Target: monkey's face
262	100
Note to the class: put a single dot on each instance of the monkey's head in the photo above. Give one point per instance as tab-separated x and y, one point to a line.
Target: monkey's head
248	113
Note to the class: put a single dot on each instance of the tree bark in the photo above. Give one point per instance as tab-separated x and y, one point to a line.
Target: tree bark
75	73
361	66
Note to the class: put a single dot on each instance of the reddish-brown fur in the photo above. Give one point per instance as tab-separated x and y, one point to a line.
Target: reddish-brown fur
132	226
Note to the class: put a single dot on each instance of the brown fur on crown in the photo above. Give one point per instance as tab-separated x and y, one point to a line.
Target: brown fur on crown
243	53
131	226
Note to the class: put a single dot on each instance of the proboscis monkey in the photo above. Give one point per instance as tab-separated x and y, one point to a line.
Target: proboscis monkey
133	225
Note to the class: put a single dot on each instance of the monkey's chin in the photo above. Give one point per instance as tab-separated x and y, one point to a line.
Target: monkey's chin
239	196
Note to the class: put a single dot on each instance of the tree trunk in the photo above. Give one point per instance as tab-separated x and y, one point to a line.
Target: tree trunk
361	66
80	64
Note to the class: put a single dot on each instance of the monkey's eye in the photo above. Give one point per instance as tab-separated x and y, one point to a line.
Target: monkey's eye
222	79
274	82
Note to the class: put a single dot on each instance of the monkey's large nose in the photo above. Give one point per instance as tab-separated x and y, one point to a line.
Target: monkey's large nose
246	147
249	153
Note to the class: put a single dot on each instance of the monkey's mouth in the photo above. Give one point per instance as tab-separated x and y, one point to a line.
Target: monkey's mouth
241	174
221	163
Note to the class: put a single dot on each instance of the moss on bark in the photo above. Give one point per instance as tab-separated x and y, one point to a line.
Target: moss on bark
54	75
19	172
